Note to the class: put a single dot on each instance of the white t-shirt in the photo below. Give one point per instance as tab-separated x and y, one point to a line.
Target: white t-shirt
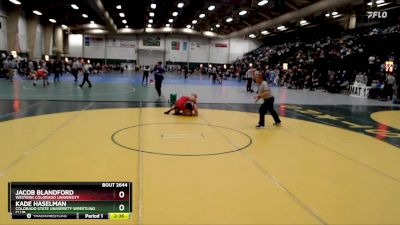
76	65
249	73
86	68
264	87
147	68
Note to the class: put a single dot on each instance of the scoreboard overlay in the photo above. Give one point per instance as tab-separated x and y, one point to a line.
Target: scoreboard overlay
70	200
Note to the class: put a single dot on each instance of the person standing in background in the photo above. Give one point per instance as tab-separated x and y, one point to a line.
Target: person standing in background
76	66
186	71
4	72
159	72
249	76
86	71
390	82
146	71
12	67
122	69
264	92
57	67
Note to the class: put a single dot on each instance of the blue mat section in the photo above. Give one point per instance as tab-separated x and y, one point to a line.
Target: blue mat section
136	78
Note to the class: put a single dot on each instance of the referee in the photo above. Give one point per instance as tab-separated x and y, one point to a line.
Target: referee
264	92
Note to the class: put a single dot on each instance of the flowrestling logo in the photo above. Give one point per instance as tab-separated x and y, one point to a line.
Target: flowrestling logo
379	15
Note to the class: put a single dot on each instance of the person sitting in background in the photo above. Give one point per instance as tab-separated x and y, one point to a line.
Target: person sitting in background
376	90
359	81
344	81
333	84
185	105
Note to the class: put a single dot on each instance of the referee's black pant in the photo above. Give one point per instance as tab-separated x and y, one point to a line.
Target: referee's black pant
268	106
249	81
158	81
86	79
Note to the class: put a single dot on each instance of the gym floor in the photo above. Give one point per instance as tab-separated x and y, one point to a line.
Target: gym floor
334	160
